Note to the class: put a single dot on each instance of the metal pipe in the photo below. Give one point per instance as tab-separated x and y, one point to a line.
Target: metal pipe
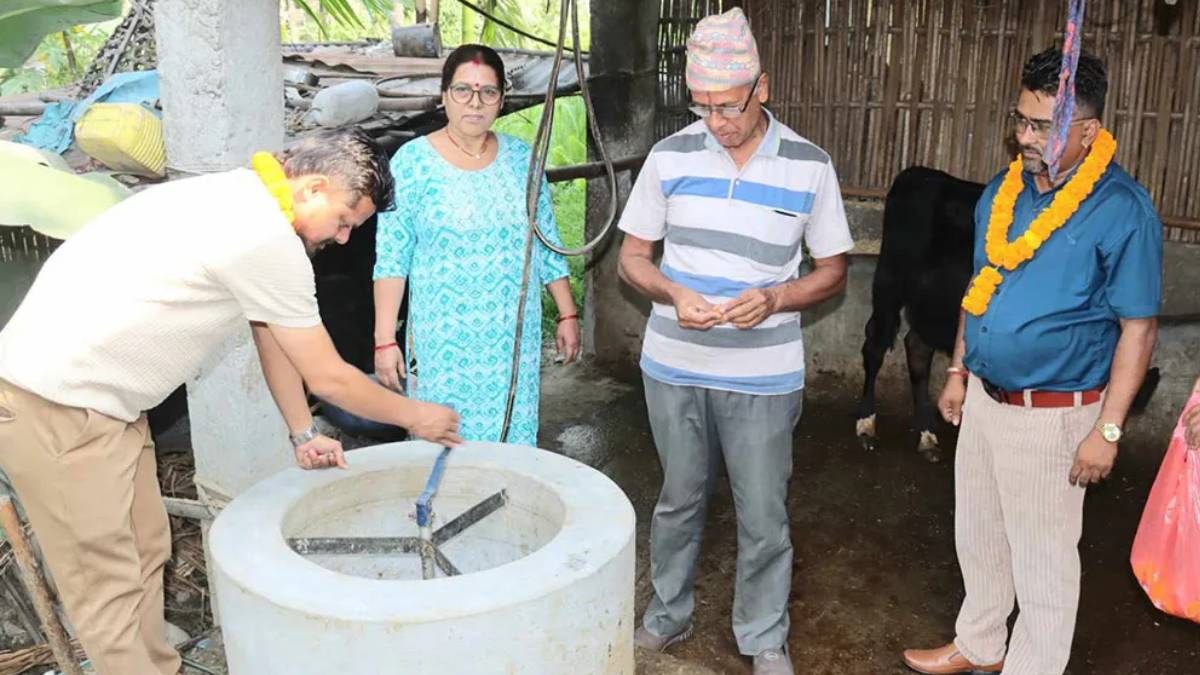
428	555
425	515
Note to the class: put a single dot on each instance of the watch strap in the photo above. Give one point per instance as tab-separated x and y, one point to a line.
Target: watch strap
304	436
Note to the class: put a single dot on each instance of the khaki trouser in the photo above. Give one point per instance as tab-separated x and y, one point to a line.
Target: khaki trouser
1017	525
89	486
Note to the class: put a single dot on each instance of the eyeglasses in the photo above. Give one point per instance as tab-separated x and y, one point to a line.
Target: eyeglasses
726	111
463	93
1040	128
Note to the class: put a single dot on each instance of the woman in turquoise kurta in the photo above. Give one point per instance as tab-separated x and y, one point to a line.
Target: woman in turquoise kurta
457	237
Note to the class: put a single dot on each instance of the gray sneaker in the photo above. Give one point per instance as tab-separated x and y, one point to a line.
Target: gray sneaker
646	640
773	662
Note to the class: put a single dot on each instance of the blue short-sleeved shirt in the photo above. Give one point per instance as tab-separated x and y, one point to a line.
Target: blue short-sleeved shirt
1054	322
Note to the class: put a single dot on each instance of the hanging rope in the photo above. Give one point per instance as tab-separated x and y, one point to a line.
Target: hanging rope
1064	100
537	169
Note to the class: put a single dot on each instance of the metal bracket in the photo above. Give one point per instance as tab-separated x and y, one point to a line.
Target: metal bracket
428	548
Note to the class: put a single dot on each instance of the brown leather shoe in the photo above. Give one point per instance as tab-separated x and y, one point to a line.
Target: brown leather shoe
945	660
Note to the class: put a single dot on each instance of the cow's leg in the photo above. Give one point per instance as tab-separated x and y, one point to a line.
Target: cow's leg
873	351
881	330
920	361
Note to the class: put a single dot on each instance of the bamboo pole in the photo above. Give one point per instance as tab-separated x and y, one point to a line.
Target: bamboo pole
36	587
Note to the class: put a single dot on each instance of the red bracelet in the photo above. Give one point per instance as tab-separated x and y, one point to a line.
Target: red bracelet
567	317
380	348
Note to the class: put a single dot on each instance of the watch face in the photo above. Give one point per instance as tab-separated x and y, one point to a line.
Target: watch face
1111	432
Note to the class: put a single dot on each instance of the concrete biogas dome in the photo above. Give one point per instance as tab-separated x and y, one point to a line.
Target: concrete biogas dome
321	571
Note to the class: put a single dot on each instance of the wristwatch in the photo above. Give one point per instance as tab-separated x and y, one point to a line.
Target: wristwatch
1110	431
304	436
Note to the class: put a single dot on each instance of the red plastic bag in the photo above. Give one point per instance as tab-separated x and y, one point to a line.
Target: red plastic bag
1166	549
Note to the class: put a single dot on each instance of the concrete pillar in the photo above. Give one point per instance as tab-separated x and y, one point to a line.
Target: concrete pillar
222	81
625	80
222	96
222	84
238	435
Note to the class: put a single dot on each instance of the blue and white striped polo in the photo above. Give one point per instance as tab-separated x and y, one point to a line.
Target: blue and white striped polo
727	231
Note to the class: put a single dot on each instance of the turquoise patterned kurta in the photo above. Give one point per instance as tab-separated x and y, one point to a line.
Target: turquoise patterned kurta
458	237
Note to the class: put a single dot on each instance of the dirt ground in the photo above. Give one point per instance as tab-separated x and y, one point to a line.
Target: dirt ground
875	567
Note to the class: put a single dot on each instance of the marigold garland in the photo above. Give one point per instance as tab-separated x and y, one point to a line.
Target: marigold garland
1011	254
270	172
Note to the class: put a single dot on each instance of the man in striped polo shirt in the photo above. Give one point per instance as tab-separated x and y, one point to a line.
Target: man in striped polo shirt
732	196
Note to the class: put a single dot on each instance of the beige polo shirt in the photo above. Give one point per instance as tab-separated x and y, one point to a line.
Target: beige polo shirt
128	309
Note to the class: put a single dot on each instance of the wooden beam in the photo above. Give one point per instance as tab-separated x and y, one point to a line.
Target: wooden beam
22	108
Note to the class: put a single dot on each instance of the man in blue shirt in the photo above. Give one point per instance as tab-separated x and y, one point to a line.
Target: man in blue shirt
1043	373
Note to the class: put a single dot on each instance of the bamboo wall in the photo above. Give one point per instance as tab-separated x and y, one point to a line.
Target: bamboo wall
23	243
676	21
884	85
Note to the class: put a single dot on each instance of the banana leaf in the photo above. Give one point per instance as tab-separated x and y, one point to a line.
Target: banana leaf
23	23
343	11
42	193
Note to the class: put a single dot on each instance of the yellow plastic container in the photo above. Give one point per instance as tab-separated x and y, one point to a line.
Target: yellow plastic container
124	136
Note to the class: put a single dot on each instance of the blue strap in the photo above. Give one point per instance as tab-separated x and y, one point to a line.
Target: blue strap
431	486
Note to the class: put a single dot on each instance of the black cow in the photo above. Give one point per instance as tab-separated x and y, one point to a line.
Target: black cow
924	267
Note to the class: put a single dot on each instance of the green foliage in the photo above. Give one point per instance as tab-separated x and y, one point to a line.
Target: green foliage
51	66
345	13
357	19
25	23
568	145
460	24
305	21
314	21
